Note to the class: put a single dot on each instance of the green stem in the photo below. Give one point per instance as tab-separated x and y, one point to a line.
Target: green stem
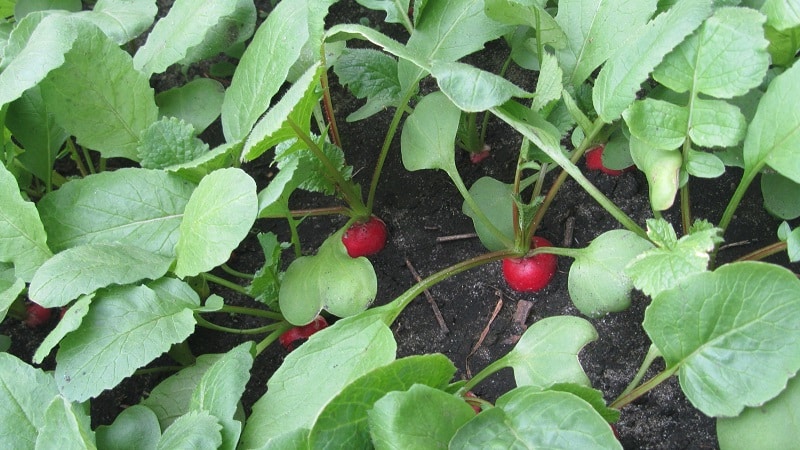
88	159
764	252
644	388
483	374
326	100
76	157
323	211
235	273
225	283
212	326
650	357
387	142
251	312
738	194
272	337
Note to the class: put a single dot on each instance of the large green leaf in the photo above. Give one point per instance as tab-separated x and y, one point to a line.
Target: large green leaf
25	394
23	8
595	30
86	268
122	20
136	207
421	417
329	280
67	425
547	353
428	137
597	282
135	428
343	422
197	430
10	288
22	237
782	14
621	77
69	321
370	74
193	30
197	102
218	217
773	136
527	417
532	14
473	89
98	97
126	328
733	334
329	361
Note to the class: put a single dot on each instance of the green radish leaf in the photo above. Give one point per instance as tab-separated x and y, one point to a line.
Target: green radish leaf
369	74
22	236
704	164
396	10
448	31
472	89
673	259
427	140
172	397
98	80
329	280
617	151
343	421
136	207
592	396
527	417
726	57
781	14
122	21
353	31
10	288
273	200
135	428
313	171
783	44
590	41
780	196
86	268
66	425
549	83
330	360
25	395
547	353
23	8
295	107
773	136
198	430
420	417
662	168
604	259
218	217
716	123
620	78
220	389
32	123
496	200
771	425
264	67
197	102
168	142
69	322
657	123
532	14
733	334
266	281
139	322
220	157
192	31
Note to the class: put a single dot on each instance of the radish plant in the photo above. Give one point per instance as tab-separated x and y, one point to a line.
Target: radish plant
681	90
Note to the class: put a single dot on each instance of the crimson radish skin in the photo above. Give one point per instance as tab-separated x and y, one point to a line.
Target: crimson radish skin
531	273
297	335
366	238
36	315
594	161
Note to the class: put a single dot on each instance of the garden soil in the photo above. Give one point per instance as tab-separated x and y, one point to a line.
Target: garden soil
482	316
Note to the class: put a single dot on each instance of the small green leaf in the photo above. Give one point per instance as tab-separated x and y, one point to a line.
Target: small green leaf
66	425
547	353
780	195
396	10
22	236
673	259
273	200
98	81
496	201
704	164
662	168
527	417
597	282
197	102
783	44
369	74
25	395
135	428
329	361
657	123
428	137
69	322
716	123
781	14
772	425
421	417
311	173
734	334
343	422
531	14
137	207
218	217
548	84
138	322
329	280
167	142
472	89
122	21
621	77
197	430
592	396
266	281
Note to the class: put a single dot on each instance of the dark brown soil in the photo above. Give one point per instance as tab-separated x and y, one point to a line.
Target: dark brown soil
421	206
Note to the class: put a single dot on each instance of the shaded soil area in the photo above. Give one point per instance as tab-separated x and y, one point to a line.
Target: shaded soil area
419	208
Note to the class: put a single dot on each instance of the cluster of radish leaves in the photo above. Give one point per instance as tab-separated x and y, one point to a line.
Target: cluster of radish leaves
91	242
